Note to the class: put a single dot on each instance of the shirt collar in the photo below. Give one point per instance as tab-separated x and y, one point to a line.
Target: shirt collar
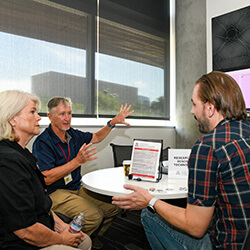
222	122
55	138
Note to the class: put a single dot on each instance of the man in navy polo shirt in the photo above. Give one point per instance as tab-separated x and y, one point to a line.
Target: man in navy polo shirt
61	150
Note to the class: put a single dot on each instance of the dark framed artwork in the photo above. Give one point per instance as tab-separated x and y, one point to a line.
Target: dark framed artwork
231	40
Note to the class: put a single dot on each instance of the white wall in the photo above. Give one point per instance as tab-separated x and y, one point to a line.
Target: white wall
217	8
125	136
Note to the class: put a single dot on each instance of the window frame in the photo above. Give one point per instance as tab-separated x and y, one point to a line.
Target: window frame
169	69
170	90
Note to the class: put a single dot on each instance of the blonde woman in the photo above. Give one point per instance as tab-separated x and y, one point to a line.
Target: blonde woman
26	220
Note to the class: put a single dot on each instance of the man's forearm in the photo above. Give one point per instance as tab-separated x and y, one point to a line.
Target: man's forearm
194	220
101	134
59	172
172	214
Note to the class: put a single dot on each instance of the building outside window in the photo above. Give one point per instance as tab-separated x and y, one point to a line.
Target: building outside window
101	54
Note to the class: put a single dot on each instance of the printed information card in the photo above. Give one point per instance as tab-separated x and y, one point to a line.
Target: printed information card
178	163
145	160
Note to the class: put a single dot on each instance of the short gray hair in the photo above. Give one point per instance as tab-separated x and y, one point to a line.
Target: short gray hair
55	101
12	102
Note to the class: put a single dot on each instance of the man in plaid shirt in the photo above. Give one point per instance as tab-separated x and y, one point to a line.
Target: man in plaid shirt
217	214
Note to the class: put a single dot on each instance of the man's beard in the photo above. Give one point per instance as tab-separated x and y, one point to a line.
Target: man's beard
203	125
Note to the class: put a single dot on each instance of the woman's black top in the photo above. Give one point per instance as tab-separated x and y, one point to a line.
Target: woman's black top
23	196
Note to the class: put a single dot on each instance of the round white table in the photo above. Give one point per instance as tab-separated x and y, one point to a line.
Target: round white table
110	182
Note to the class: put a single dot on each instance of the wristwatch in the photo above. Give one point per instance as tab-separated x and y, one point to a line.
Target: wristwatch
108	123
151	204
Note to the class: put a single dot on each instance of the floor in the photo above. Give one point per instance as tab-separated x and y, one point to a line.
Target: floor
126	233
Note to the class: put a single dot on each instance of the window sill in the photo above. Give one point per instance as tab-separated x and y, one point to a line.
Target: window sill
99	122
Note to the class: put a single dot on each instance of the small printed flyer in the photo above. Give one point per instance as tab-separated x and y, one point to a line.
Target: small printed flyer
145	160
178	163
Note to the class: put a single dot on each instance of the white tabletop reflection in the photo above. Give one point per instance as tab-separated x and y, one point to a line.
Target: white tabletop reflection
110	181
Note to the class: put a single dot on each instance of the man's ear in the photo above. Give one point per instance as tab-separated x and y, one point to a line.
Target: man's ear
210	109
49	116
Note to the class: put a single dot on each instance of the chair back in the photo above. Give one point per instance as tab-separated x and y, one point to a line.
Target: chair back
165	154
121	153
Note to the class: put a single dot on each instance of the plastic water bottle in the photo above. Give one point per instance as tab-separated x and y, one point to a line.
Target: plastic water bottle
77	223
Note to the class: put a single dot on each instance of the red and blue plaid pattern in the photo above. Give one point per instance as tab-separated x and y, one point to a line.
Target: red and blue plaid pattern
219	176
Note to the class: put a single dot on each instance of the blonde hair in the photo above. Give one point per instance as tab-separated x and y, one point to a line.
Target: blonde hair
12	102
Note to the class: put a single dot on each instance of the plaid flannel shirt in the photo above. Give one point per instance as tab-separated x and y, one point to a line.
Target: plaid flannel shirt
219	176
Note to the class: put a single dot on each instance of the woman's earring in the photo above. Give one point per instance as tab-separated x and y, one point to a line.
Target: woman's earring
13	125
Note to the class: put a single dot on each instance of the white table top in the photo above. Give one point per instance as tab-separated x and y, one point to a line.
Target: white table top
110	181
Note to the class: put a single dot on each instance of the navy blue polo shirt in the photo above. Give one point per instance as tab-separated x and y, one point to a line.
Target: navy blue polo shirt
52	152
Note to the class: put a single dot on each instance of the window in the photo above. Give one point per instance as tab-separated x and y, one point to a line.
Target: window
100	54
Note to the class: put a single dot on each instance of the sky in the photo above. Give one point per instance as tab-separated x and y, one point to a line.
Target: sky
22	57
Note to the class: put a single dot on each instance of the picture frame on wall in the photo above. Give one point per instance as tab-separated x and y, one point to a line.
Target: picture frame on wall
230	40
